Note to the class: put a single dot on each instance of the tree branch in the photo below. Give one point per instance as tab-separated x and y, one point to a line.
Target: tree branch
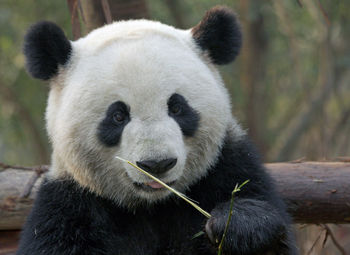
106	11
93	14
73	6
334	240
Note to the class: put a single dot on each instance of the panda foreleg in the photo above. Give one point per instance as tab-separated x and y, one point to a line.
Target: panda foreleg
256	227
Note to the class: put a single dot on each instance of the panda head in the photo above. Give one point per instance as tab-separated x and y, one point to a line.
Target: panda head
140	90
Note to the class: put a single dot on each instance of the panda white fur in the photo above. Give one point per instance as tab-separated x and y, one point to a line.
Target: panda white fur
149	93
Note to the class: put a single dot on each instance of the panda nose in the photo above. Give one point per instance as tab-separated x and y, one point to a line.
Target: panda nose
157	167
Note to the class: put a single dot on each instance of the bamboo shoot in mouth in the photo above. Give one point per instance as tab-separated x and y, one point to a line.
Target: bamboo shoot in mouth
159	182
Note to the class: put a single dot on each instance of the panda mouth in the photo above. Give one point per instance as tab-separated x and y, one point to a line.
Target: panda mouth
151	186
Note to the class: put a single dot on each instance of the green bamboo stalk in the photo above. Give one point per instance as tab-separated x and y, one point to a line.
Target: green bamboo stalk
235	190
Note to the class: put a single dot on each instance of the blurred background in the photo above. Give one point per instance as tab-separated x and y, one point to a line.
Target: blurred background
290	86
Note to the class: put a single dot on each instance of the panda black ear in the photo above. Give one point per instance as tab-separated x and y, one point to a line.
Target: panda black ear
219	34
45	47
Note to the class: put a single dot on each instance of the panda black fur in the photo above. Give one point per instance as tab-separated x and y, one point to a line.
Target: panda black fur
151	108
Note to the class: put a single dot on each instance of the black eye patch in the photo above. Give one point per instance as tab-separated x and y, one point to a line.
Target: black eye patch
111	127
183	114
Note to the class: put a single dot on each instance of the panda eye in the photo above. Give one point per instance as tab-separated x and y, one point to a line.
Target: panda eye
175	109
119	117
185	116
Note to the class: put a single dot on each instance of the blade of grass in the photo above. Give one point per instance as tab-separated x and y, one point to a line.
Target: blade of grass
235	190
188	200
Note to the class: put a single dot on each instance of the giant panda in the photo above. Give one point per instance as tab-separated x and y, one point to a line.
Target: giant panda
152	94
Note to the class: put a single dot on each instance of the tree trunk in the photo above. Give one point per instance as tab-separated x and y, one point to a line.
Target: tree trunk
129	9
94	12
252	56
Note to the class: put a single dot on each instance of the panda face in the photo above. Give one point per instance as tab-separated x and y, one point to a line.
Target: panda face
151	98
139	90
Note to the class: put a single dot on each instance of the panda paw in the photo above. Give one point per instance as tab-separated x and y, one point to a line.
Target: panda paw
256	227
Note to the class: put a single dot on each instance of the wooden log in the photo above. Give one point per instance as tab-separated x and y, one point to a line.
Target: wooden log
13	207
315	192
9	242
